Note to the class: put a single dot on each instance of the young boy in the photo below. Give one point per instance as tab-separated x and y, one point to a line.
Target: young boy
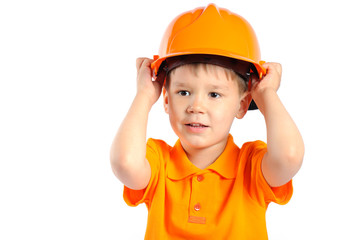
205	187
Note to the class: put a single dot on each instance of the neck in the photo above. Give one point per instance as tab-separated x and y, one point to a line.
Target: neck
204	157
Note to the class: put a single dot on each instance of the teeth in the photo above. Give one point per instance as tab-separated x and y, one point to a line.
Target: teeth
196	125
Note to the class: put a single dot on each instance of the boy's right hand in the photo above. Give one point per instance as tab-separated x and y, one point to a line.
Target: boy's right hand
145	85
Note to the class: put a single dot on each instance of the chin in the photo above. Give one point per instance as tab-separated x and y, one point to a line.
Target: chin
198	142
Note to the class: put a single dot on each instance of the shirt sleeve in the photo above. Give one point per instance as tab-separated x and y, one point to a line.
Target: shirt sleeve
135	197
258	186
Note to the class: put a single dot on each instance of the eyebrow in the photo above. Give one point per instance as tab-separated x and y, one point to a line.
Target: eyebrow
218	87
179	84
210	86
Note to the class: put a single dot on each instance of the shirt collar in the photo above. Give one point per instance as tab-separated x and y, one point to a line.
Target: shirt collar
226	165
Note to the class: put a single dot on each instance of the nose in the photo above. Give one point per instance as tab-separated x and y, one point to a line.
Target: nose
196	105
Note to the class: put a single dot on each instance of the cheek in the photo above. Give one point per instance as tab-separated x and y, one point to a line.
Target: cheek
174	109
227	110
177	103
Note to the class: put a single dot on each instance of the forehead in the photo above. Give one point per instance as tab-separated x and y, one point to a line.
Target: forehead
213	73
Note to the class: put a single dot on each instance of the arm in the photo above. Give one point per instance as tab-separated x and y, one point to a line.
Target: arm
285	148
128	151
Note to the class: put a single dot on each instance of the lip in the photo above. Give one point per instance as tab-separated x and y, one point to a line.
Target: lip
196	127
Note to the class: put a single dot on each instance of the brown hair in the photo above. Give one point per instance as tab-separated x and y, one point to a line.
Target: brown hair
214	69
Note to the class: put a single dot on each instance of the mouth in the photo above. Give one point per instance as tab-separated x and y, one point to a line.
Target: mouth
196	125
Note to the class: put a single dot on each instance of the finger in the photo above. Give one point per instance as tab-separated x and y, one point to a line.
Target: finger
279	68
139	63
272	67
159	83
143	62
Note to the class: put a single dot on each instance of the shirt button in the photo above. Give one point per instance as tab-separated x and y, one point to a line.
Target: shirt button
197	207
200	178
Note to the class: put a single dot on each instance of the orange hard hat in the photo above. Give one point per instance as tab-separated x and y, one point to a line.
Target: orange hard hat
213	31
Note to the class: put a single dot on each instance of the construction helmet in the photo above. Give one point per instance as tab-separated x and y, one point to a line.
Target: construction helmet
209	31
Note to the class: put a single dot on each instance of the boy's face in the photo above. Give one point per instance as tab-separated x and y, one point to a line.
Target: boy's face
202	104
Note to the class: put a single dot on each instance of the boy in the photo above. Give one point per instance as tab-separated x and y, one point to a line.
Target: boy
205	187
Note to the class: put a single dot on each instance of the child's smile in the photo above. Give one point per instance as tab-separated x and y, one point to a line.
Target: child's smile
196	127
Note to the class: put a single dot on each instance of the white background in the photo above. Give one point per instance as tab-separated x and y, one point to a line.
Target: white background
67	78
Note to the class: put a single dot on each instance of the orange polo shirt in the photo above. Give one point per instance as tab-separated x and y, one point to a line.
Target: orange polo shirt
227	200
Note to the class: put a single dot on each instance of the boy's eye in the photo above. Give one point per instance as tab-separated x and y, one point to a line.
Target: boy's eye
183	93
214	95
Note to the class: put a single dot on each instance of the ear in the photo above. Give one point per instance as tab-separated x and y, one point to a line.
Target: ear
245	101
165	100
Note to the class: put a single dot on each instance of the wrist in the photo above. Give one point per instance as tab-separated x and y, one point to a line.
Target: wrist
144	100
261	92
264	97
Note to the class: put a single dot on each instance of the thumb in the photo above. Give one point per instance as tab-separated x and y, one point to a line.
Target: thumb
138	63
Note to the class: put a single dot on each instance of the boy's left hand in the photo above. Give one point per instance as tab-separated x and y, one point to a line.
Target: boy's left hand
271	81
